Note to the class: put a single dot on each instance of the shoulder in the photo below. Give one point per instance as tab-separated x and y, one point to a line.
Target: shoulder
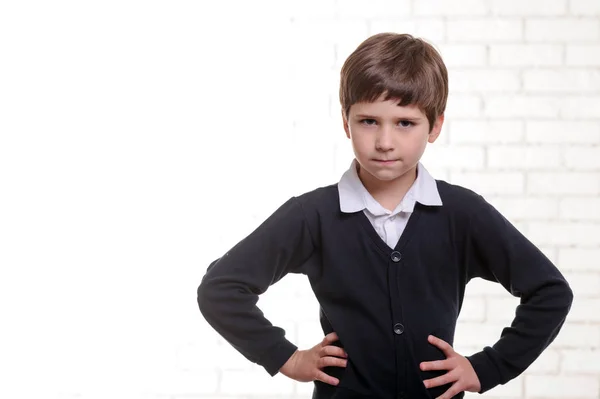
462	202
456	196
469	206
321	199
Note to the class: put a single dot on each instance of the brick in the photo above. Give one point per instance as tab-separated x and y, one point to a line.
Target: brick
583	158
528	8
342	156
430	29
562	132
580	107
561	81
186	383
521	226
463	106
484	80
463	55
484	30
189	356
562	30
585	310
547	362
584	284
570	183
585	7
511	55
580	208
222	356
313	59
478	334
479	287
486	132
550	252
578	258
581	362
454	157
489	183
553	386
376	8
513	389
303	389
310	333
283	307
501	310
450	7
258	382
473	310
506	106
312	9
583	55
442	139
512	157
526	208
564	233
578	336
314	42
464	347
329	31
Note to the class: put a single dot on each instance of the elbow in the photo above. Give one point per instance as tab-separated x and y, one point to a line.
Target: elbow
204	291
568	296
203	297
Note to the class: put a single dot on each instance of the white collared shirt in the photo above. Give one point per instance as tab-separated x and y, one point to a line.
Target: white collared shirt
389	225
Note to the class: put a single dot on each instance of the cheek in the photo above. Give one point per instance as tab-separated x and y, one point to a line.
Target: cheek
360	141
416	146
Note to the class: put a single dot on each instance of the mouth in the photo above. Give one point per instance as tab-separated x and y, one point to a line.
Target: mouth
385	161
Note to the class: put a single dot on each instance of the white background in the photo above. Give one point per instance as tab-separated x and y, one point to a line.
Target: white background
140	140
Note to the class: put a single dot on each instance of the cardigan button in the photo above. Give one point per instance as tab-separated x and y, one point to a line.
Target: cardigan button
396	256
398	328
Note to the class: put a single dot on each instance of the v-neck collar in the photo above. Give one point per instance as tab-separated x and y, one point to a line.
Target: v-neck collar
404	238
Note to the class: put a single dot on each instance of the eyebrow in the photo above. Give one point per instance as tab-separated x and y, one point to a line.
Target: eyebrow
404	118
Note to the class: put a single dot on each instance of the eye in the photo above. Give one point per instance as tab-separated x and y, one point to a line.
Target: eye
406	123
368	122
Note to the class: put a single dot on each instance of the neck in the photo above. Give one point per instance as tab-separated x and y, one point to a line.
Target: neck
391	192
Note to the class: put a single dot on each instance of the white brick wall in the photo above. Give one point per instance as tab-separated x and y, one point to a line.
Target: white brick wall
114	127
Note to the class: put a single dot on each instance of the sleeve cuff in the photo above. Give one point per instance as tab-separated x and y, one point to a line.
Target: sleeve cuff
486	370
273	359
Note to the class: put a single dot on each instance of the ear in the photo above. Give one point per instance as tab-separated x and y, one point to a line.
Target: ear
346	127
437	129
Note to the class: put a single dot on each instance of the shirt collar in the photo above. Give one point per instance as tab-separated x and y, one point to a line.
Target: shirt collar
354	197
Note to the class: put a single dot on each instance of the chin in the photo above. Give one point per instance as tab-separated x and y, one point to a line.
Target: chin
386	175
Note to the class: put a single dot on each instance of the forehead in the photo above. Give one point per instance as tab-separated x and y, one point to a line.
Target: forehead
387	108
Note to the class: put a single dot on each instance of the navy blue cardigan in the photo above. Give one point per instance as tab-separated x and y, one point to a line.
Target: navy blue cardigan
383	302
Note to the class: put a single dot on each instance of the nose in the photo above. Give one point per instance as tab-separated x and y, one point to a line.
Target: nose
384	139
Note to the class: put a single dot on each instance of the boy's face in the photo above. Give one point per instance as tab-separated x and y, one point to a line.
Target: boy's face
388	140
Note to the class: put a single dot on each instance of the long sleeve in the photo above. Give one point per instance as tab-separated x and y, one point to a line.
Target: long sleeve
499	252
228	293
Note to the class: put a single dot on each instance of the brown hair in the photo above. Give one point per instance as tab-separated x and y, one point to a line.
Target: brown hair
400	66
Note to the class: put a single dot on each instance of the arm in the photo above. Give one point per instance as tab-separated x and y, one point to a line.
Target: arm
229	290
497	251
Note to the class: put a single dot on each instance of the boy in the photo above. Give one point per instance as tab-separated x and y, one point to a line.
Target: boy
388	252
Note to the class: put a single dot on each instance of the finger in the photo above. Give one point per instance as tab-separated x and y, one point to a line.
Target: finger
327	379
437	365
451	392
329	338
329	361
333	351
443	345
441	380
